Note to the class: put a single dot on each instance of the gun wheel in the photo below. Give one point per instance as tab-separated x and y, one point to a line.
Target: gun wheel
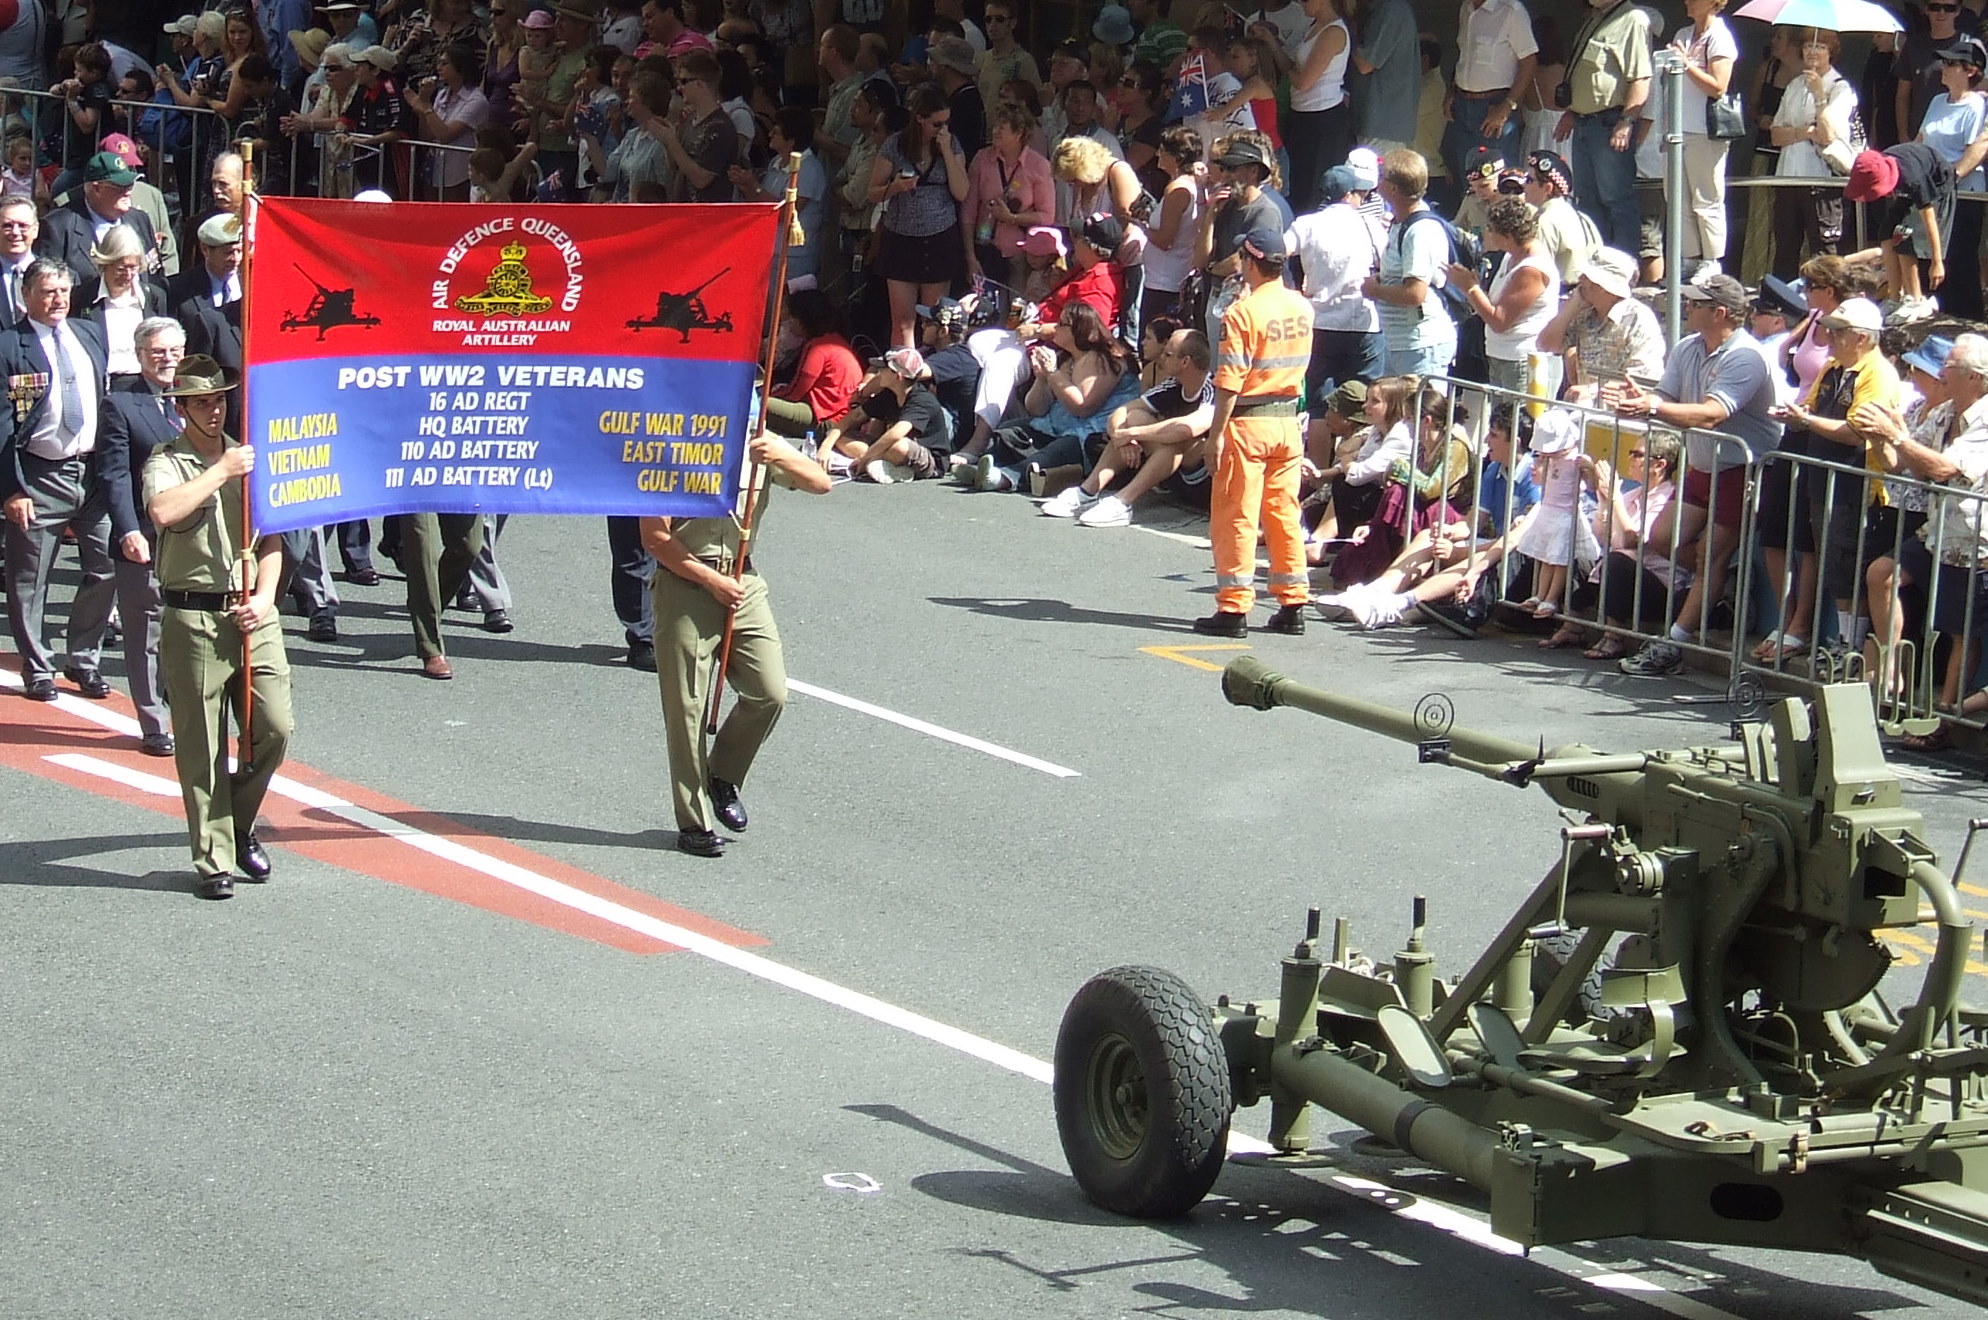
1142	1093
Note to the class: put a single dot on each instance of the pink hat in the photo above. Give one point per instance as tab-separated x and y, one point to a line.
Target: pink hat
1872	175
1044	241
906	362
537	19
124	149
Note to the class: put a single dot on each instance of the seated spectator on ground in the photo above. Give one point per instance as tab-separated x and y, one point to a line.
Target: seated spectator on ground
824	383
1154	437
1428	568
1637	581
897	421
1093	280
1076	380
1333	439
1433	487
1358	483
951	365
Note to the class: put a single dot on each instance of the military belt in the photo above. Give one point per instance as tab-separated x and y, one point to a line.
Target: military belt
1280	407
723	563
213	601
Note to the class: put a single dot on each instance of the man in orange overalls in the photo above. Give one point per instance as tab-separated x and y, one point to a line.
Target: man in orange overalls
1258	444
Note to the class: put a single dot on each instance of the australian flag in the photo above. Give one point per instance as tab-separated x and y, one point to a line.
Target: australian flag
1190	92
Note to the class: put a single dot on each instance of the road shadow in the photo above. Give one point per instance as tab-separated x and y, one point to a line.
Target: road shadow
1045	610
51	863
471	827
1286	1241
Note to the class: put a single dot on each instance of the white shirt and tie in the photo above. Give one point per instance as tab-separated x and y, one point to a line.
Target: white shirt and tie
225	290
68	425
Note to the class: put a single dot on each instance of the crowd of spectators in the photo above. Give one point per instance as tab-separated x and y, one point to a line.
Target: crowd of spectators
1018	247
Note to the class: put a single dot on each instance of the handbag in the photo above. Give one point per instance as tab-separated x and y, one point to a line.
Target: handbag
1725	118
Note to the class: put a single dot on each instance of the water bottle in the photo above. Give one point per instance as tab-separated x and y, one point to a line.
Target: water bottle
810	447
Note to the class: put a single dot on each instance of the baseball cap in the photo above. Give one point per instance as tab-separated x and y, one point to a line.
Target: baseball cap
109	167
379	57
181	26
906	362
1265	244
1242	152
1967	50
122	147
1720	290
1611	271
1931	355
1872	175
944	310
1104	233
1855	314
1338	181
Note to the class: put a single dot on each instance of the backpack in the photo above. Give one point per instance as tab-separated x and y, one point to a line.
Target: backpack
1464	251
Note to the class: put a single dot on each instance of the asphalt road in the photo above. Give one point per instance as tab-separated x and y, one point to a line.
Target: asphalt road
393	1083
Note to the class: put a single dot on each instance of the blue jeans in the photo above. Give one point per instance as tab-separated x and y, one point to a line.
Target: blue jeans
1431	361
1605	180
1465	133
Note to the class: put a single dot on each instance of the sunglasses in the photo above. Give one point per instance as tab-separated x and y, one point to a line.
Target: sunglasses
1133	83
1943	9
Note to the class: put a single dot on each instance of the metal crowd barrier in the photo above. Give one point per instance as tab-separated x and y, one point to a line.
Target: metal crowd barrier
1609	437
1917	672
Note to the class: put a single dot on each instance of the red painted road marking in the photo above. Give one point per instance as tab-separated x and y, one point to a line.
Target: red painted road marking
106	762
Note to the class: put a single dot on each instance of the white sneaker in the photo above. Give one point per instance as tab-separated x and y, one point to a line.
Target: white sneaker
983	473
965	472
1374	610
878	471
1068	503
999	478
1106	511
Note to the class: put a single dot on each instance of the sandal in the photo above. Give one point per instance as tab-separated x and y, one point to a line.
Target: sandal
1608	649
1780	646
1939	740
1546	609
1568	635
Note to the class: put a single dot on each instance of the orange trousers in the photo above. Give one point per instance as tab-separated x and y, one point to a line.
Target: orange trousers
1257	483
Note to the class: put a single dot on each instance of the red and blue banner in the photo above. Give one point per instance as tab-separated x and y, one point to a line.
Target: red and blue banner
457	358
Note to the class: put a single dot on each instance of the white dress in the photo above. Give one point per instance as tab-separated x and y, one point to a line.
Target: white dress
1557	525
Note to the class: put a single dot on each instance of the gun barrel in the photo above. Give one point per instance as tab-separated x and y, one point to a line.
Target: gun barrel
1249	682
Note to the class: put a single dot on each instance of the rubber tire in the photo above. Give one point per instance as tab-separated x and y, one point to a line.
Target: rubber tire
1149	1020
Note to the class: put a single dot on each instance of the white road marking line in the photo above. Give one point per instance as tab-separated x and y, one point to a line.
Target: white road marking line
1455	1223
607	910
933	730
130	778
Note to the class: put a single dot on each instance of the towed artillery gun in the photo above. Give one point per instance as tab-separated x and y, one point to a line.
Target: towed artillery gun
1678	1035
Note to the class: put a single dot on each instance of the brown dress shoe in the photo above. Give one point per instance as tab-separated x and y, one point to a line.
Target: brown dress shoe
437	666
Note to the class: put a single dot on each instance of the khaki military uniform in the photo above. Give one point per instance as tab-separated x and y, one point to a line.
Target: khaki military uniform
200	655
689	627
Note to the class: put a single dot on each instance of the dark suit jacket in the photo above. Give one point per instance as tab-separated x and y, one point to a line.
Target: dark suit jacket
217	332
21	355
132	427
68	233
193	282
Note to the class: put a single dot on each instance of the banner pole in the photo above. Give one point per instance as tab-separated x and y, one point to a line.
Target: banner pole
790	234
250	201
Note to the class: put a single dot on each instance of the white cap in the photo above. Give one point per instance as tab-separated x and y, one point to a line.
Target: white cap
1856	314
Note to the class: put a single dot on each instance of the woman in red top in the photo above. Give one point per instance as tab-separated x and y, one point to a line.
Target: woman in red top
829	372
